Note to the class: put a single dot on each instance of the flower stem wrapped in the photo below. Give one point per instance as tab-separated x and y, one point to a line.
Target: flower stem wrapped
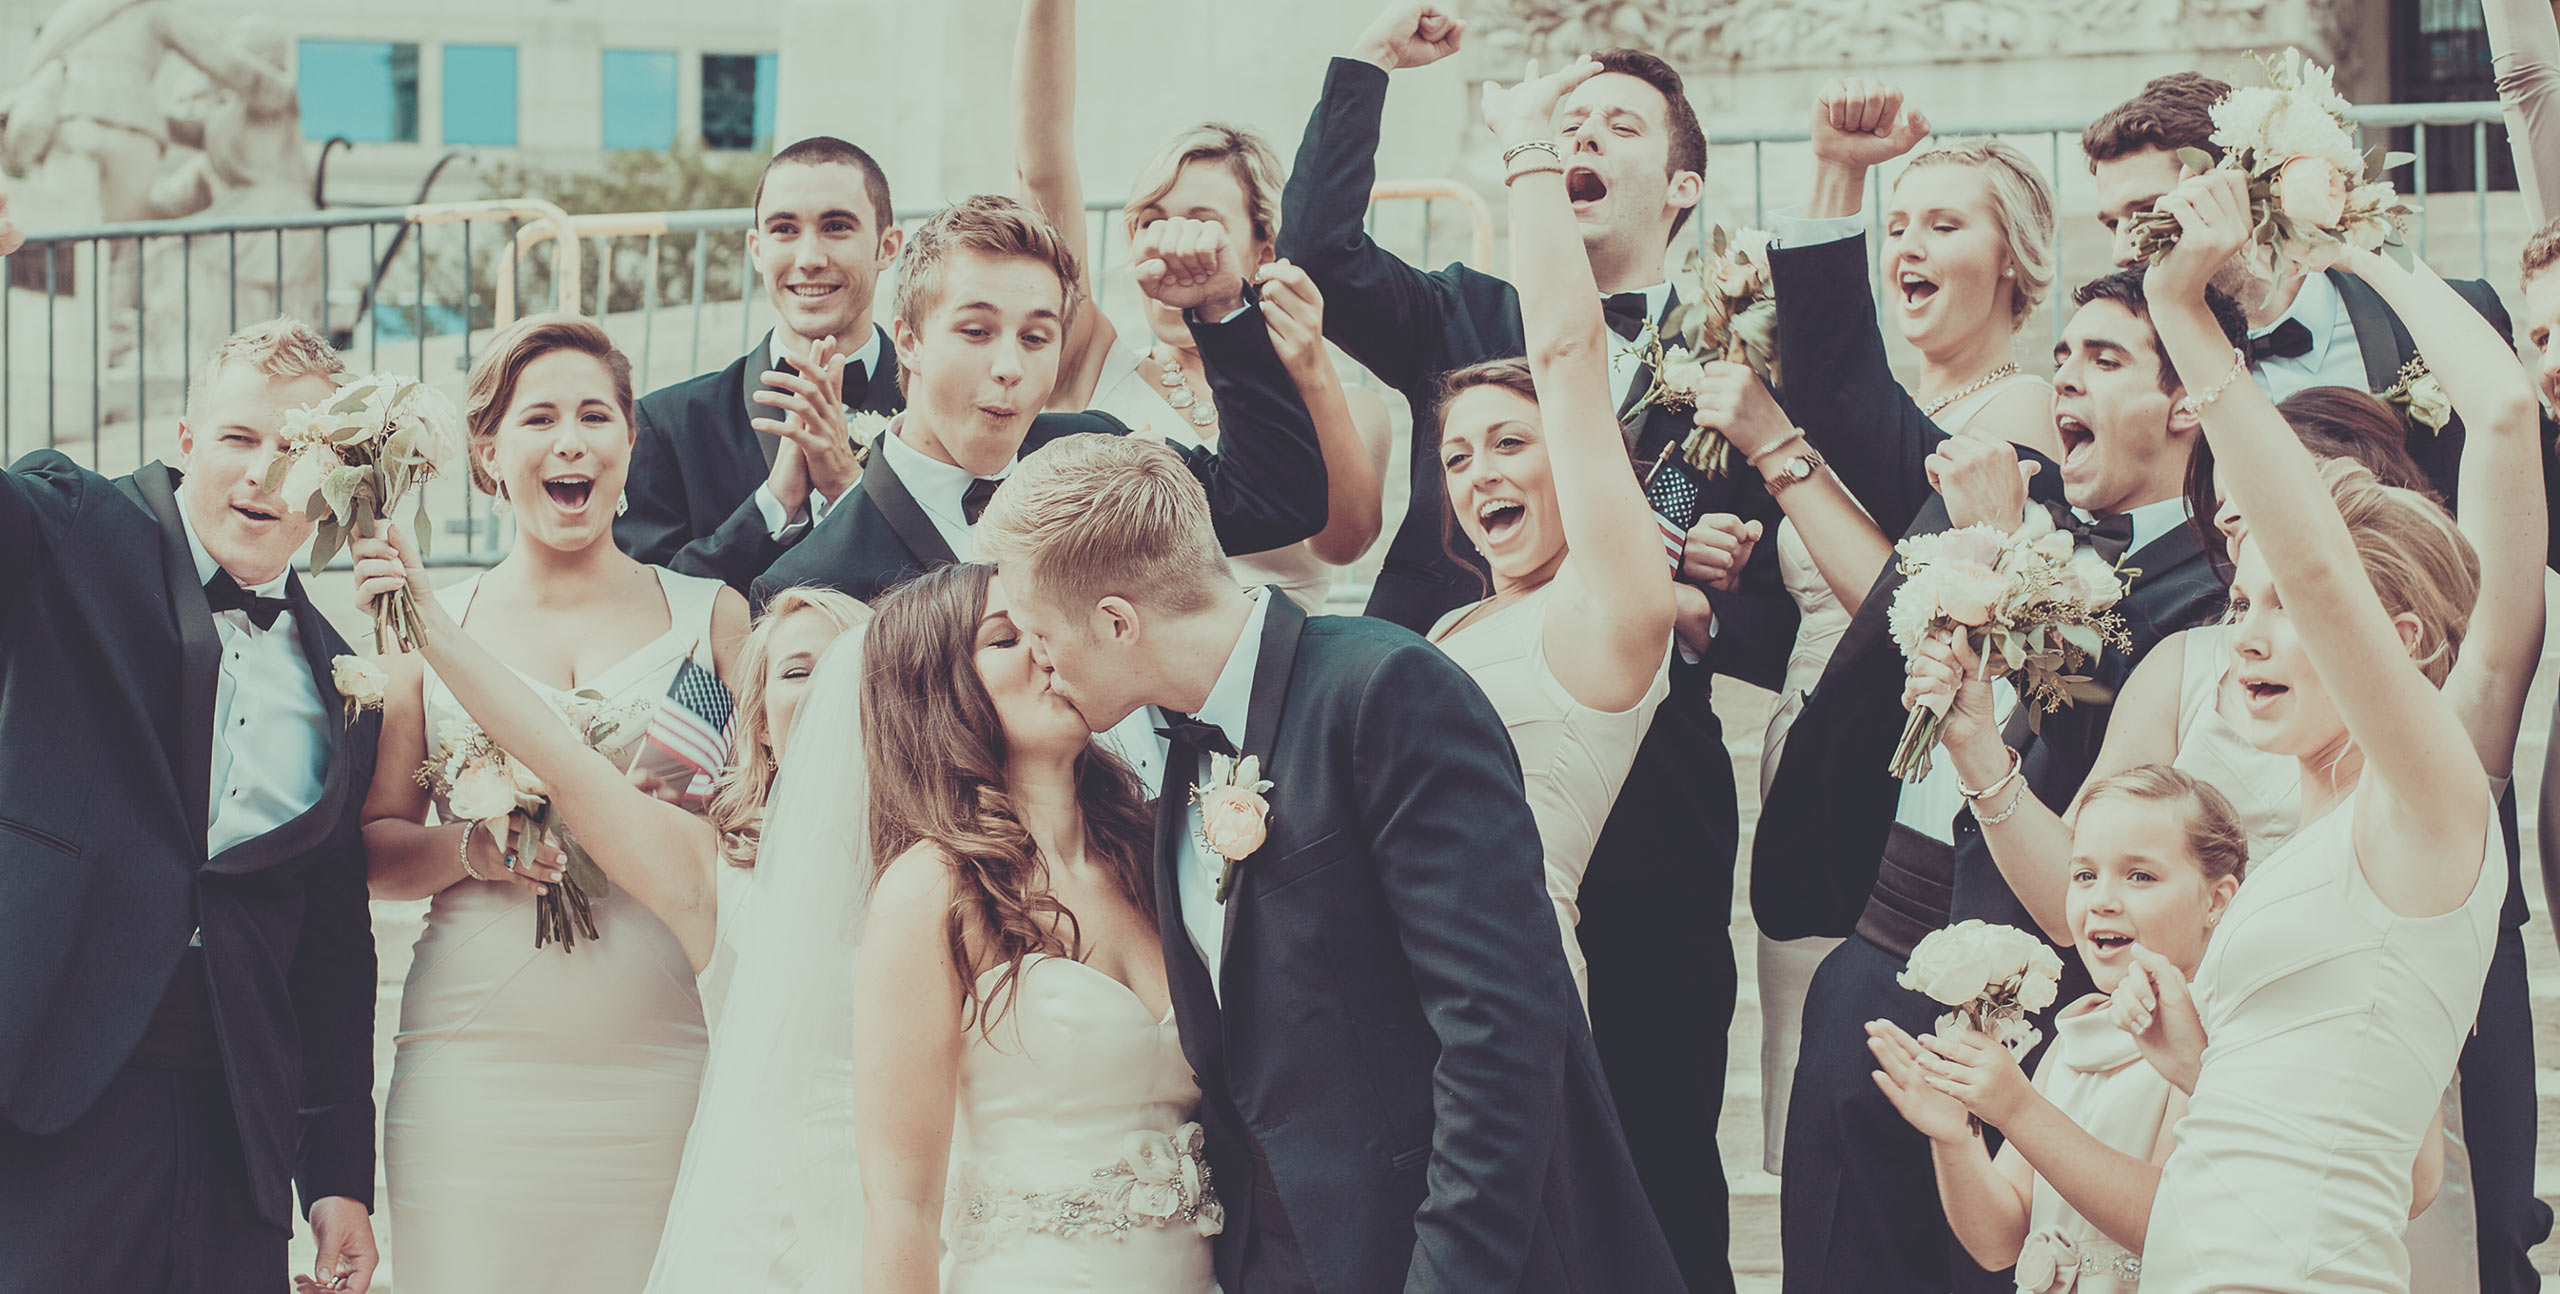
350	460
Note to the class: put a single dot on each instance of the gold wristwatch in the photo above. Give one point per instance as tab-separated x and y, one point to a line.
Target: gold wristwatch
1793	469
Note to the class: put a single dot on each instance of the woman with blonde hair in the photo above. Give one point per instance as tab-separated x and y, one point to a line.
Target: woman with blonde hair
569	1070
1217	182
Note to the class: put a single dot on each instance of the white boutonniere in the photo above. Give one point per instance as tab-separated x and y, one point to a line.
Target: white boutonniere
360	682
865	429
1233	814
2420	396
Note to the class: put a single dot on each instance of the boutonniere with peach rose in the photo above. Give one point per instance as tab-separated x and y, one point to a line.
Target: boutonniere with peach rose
1234	818
360	684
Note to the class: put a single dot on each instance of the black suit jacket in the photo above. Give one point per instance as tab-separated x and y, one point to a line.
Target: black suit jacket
1399	1032
696	463
108	664
1410	327
1266	480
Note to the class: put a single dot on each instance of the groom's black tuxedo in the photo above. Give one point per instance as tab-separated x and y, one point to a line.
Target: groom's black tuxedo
1266	479
1398	1039
697	461
109	663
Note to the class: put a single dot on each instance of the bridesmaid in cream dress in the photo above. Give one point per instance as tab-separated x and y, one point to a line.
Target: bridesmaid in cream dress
539	1097
1574	646
1229	178
1968	238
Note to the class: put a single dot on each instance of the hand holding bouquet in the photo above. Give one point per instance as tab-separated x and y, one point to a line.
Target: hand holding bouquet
348	462
1728	312
478	782
2311	193
1989	977
2030	604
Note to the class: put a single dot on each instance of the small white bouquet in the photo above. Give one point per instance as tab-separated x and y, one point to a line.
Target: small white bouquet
2032	604
480	783
1989	977
348	462
1727	311
2311	193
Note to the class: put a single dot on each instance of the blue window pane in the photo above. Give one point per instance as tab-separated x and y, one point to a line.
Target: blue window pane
365	90
639	98
768	76
480	95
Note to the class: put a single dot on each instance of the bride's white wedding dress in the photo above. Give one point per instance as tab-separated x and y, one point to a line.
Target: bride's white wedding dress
1073	1168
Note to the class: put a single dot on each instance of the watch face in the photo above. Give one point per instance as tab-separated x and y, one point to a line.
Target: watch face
1799	467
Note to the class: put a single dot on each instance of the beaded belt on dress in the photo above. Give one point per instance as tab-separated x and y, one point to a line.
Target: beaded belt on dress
1159	1181
2048	1263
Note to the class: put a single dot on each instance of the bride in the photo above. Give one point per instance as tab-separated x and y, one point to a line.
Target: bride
1022	1100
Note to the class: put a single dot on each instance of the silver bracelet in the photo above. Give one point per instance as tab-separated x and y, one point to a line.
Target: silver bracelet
468	826
2239	365
1549	146
2016	798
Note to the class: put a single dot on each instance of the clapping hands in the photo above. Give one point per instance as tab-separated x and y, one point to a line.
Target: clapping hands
817	451
1936	1081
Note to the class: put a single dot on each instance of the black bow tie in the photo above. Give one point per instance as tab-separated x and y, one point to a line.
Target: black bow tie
2109	536
223	593
2288	340
1627	313
855	378
973	501
1183	728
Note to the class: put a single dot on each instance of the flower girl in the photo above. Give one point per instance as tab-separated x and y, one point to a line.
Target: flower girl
2157	857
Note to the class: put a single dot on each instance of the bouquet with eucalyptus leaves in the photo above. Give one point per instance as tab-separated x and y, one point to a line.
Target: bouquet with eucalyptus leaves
1727	311
350	460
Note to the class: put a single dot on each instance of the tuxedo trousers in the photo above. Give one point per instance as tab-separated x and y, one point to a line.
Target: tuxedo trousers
148	1192
1656	929
2499	1118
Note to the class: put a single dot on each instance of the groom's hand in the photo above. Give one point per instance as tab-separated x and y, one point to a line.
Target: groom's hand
347	1253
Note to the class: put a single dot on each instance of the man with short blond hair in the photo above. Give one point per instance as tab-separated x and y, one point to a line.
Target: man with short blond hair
1395	1071
186	956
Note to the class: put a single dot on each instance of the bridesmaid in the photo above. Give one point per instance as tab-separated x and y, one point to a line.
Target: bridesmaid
1228	178
1574	646
1968	244
539	1097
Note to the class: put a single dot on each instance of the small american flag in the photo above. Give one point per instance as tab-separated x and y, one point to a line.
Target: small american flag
688	737
1675	502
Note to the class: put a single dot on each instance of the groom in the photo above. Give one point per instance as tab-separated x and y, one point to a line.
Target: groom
1399	1085
186	957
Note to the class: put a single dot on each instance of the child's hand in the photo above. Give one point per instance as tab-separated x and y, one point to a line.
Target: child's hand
1937	1116
1978	1072
2153	1004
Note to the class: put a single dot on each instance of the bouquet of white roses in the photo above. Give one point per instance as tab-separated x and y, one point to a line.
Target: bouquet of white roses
1989	977
1726	312
480	783
2032	604
348	462
2311	193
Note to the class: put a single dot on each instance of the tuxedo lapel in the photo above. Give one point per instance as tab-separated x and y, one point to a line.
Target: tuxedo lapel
199	646
899	508
1644	370
1271	669
2378	330
880	393
751	370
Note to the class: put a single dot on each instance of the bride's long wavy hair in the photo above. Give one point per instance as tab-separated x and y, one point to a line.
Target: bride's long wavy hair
936	753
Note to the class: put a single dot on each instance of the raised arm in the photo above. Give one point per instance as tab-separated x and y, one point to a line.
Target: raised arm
1045	175
907	1037
2504	512
663	855
1384	308
2423	805
1608	623
2524	48
40	493
1352	430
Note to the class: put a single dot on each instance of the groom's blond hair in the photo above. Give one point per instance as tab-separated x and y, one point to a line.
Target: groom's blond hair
1091	516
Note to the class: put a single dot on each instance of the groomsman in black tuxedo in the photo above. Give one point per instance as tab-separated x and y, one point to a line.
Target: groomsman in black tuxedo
1398	1084
1661	877
1842	848
982	304
2330	329
730	469
186	958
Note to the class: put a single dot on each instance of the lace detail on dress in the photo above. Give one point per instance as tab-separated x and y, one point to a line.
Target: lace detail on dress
1158	1181
2049	1264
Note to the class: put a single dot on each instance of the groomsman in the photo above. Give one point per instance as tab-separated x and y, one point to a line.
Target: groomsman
186	958
730	469
981	307
1661	876
1845	850
1399	1088
2330	329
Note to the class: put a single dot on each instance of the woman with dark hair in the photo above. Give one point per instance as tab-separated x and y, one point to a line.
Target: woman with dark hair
570	1075
1020	1092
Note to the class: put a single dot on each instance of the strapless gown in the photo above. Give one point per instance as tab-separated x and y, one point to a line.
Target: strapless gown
1074	1166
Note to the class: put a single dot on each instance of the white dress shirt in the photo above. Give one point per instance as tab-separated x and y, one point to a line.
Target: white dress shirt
815	510
1929	805
270	734
938	487
1624	358
2335	358
1196	872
